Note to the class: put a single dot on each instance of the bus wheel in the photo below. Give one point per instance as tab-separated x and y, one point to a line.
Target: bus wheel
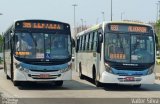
81	76
12	72
16	83
7	77
4	68
97	83
59	83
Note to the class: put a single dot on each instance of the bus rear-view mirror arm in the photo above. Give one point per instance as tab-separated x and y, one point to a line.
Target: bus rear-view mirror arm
73	42
100	40
100	37
156	38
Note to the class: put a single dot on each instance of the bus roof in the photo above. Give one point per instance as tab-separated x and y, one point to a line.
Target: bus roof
95	27
38	20
129	22
19	20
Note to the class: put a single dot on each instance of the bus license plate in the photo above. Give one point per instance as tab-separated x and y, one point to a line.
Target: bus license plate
129	79
44	76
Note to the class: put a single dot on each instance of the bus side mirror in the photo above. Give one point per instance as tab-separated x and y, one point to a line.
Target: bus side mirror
156	38
12	34
73	42
77	45
100	38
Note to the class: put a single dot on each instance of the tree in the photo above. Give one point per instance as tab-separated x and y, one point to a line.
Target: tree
157	29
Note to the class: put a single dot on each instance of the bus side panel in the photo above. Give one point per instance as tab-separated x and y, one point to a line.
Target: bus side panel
101	63
8	62
91	61
81	63
88	60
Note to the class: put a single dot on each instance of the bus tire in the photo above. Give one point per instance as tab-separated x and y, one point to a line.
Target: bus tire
12	74
7	77
5	71
4	65
96	82
59	83
81	76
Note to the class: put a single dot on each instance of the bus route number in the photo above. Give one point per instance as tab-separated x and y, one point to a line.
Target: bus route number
114	27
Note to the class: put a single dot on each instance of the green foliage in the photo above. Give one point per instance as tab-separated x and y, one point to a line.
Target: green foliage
158	23
157	28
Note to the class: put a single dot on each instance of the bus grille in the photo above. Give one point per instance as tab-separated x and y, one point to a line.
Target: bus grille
133	68
50	76
43	70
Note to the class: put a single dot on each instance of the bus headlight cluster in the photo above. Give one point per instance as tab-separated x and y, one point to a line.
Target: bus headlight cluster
66	69
108	68
19	67
24	69
151	69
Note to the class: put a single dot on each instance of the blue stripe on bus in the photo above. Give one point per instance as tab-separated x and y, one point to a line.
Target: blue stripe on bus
39	67
129	72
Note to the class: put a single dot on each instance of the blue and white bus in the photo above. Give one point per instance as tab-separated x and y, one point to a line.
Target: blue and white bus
38	51
117	52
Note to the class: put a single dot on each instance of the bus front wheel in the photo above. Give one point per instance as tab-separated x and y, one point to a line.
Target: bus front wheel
7	77
81	76
96	82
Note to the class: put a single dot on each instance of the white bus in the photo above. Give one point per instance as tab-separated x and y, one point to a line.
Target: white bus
38	51
117	53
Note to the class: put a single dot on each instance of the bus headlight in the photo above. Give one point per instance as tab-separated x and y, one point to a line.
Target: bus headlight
26	70
66	69
17	65
108	68
150	70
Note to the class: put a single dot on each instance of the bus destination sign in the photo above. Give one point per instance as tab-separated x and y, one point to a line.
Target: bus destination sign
40	25
129	28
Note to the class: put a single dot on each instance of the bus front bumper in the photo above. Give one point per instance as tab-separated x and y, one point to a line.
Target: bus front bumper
42	76
129	80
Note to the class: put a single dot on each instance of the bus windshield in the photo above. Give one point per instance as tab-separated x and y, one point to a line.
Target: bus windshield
42	45
129	48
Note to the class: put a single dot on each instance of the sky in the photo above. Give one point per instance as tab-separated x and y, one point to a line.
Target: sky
88	10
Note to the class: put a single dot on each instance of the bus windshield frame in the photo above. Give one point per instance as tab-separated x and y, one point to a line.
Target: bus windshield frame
129	47
42	44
